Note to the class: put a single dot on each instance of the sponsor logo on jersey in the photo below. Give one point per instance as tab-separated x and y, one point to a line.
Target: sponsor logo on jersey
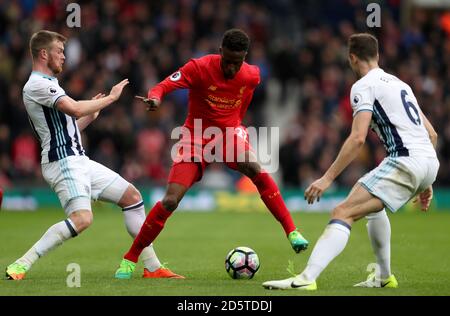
222	102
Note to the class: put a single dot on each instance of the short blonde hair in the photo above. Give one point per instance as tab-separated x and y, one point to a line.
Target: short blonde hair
42	40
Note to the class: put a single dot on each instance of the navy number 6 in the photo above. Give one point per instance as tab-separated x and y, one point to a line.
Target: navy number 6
409	105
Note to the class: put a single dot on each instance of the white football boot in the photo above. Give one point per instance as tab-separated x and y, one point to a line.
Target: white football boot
294	283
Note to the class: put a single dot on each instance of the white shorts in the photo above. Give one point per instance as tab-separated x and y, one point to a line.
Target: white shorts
398	179
77	179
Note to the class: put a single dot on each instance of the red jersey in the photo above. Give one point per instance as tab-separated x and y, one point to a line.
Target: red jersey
217	101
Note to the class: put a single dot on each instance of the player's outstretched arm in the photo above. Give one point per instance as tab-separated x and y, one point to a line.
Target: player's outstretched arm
347	154
187	77
82	108
84	121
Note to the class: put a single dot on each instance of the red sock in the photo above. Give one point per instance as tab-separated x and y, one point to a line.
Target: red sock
271	196
151	228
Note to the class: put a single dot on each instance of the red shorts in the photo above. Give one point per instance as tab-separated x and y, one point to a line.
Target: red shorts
194	154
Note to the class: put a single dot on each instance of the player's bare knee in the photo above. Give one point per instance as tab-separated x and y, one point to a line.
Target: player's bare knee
170	202
250	169
131	196
86	220
82	220
134	195
339	212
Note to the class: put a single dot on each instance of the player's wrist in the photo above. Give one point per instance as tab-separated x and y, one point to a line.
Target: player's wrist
110	99
328	177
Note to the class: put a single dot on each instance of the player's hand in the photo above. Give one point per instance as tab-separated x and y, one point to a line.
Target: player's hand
424	198
99	96
316	189
152	104
116	91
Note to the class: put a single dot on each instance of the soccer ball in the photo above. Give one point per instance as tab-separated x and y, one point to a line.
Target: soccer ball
242	263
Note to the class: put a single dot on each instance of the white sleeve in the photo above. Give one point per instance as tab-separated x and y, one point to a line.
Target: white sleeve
361	98
46	93
413	97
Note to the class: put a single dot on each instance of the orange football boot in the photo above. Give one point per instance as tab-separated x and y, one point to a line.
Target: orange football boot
161	273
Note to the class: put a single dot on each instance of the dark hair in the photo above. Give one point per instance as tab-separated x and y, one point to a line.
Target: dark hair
236	40
43	39
363	45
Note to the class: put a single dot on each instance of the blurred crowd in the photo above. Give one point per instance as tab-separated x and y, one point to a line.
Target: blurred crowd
300	45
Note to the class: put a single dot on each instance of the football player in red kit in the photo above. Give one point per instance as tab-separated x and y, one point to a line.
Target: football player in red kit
220	90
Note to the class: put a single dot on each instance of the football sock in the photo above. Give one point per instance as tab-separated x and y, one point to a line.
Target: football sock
51	239
134	217
328	247
151	228
379	229
271	196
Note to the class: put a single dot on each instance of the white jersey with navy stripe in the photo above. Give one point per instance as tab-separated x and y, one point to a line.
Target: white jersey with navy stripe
396	113
57	132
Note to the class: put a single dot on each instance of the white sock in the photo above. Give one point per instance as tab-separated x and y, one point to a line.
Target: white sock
134	216
328	247
51	239
379	229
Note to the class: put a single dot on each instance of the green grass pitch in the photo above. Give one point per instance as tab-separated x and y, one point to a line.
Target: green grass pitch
195	245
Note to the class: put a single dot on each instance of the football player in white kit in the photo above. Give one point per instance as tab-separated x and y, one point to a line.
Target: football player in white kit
387	105
57	121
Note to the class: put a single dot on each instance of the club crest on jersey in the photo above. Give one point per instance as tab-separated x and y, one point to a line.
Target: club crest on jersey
52	90
175	76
